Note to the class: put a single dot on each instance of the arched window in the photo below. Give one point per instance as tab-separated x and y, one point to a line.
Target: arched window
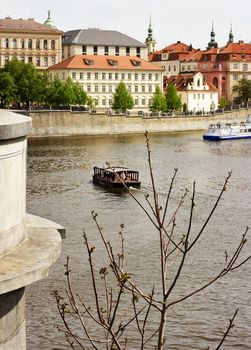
53	45
14	43
22	43
45	44
198	83
6	43
37	44
29	44
215	82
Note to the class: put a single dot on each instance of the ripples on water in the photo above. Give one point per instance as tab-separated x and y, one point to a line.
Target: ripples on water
59	188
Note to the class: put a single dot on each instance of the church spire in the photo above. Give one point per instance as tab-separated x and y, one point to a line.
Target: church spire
150	42
230	36
212	42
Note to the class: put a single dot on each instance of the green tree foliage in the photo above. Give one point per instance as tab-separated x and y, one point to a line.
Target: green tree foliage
22	84
158	102
223	103
173	101
242	91
122	99
7	89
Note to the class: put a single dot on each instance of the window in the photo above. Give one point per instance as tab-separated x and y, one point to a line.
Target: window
81	75
53	60
122	76
103	88
150	76
245	76
14	43
22	59
136	77
83	50
103	76
46	61
89	88
110	101
138	52
198	96
116	76
110	76
96	88
174	68
112	62
53	45
106	50
136	88
156	76
6	43
37	61
143	88
203	96
129	87
117	51
194	96
143	76
136	63
29	44
235	77
129	77
96	75
136	101
95	50
37	44
74	75
235	66
127	51
188	67
89	75
103	102
88	62
143	102
22	43
110	88
150	88
245	67
45	44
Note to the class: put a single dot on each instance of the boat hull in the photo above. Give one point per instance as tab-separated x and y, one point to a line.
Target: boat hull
114	184
222	138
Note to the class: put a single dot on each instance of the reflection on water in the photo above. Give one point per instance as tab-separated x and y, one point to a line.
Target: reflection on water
59	188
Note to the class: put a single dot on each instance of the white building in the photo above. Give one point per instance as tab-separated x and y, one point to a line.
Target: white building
198	95
100	75
95	41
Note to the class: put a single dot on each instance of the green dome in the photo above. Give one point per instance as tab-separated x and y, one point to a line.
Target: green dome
49	22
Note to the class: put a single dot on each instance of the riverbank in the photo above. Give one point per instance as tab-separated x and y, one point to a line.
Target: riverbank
67	123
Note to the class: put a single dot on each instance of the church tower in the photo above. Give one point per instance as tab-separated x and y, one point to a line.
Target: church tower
212	43
150	42
230	36
49	21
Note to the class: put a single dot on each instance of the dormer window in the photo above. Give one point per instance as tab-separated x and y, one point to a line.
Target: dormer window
136	63
88	62
112	62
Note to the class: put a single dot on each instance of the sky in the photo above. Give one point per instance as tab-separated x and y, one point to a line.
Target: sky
189	21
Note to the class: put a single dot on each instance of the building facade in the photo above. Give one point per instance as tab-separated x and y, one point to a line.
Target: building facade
100	75
198	96
30	42
95	41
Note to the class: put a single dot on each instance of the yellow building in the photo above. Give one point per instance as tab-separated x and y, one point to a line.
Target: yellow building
30	42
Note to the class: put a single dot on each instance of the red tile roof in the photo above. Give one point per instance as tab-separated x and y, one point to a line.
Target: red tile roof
28	25
105	62
181	82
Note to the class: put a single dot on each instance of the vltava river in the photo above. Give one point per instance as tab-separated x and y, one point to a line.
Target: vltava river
59	188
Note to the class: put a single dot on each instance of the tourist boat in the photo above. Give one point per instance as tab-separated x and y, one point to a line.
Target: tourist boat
229	131
115	177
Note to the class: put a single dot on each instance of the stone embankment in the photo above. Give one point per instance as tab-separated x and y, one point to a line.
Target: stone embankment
67	123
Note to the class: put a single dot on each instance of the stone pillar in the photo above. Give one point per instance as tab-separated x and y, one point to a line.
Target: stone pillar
28	244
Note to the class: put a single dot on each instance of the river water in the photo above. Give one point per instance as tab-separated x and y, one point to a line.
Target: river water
59	188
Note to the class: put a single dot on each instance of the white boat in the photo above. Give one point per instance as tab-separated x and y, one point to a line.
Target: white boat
229	131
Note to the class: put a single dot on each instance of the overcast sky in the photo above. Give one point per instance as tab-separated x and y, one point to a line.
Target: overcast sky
189	21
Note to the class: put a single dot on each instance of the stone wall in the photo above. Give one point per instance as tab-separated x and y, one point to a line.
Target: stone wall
66	123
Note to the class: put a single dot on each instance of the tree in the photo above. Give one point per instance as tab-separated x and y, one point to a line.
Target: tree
119	303
122	99
7	89
158	102
242	91
173	101
223	103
